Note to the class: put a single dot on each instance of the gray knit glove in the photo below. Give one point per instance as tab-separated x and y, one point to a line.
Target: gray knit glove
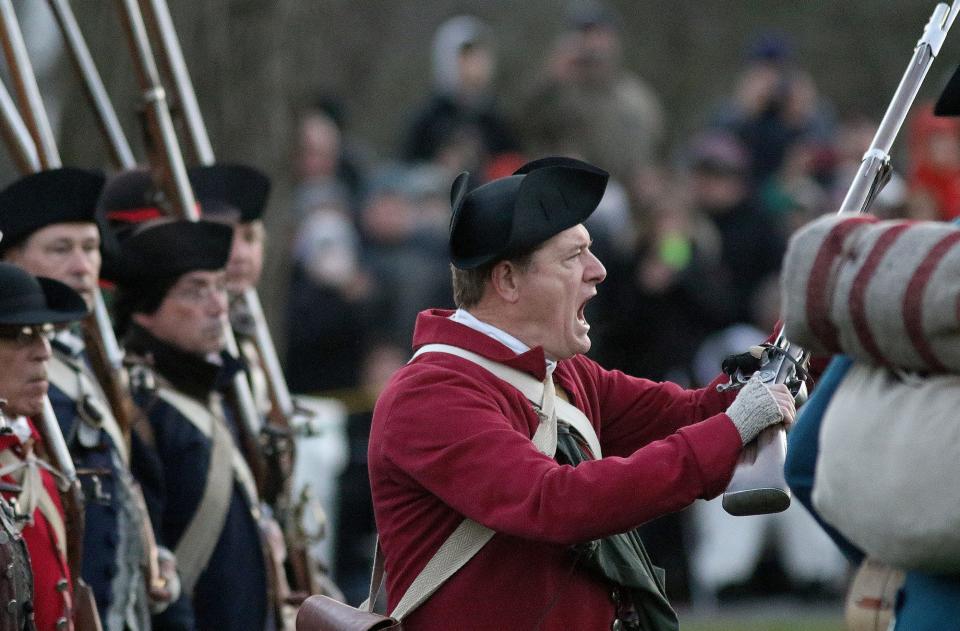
754	410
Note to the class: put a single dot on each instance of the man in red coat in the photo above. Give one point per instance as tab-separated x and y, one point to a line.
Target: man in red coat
544	496
29	307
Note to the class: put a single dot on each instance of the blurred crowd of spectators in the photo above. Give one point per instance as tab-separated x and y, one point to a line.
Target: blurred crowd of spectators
692	236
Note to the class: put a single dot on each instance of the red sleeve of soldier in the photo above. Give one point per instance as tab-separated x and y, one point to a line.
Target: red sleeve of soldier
52	587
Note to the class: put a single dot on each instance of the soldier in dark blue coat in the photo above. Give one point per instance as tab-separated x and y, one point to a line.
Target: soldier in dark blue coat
48	219
172	306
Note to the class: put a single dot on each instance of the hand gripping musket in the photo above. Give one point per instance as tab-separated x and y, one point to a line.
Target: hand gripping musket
759	487
85	610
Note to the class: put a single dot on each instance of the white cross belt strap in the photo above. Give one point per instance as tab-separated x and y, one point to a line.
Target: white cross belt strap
199	539
536	391
470	537
75	380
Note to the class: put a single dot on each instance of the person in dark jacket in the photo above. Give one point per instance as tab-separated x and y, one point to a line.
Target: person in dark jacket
460	126
172	306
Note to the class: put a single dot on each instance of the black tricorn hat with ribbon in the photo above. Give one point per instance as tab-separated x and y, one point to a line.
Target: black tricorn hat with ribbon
514	214
30	300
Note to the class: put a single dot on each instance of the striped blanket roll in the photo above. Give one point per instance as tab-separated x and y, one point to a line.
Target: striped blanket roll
884	292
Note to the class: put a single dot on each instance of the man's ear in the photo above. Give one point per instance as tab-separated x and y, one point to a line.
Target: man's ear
504	281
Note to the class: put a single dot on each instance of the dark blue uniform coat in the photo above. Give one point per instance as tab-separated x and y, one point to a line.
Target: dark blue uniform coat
112	550
231	593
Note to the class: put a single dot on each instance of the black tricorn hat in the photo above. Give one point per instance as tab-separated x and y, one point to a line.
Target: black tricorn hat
514	214
27	300
48	197
236	191
165	249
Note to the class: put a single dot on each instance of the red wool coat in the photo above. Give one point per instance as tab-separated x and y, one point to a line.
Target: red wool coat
49	568
449	440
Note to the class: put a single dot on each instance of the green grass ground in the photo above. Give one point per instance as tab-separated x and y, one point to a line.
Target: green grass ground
754	624
771	614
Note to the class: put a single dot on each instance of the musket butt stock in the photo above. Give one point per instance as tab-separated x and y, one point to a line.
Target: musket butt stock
756	501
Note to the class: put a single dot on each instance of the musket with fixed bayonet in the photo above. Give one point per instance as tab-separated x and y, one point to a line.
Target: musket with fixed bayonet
758	486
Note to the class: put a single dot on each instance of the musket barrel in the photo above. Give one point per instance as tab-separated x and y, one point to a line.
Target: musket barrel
56	445
26	87
865	186
170	55
16	135
759	487
268	353
120	152
107	337
168	147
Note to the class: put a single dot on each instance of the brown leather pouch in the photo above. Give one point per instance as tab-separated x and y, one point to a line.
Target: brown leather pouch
320	613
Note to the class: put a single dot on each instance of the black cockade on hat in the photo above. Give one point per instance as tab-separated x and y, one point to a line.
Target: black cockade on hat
512	215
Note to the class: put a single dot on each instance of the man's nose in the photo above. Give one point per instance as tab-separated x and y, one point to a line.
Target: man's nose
217	302
594	271
81	262
40	348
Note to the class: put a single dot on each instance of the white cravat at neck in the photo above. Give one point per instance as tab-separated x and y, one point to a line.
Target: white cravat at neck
466	318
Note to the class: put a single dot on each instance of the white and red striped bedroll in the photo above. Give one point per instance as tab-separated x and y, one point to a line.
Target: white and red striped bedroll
886	292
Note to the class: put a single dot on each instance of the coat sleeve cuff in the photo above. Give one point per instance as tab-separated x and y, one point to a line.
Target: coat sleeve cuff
716	445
